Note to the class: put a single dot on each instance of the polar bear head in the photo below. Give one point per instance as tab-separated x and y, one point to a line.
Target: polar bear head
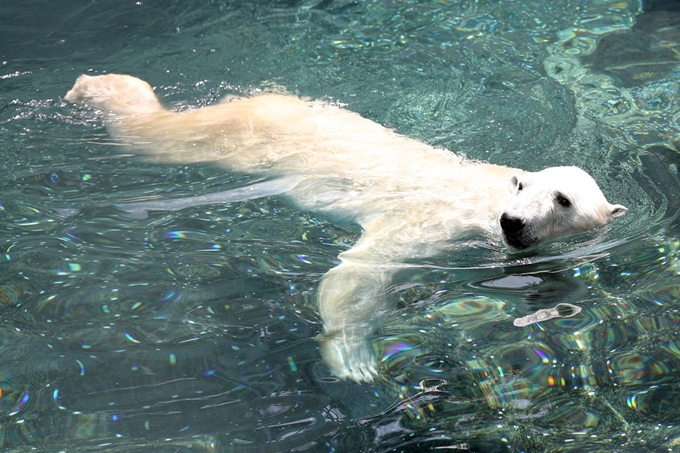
552	203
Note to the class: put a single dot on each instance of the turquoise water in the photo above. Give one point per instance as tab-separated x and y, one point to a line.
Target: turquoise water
193	331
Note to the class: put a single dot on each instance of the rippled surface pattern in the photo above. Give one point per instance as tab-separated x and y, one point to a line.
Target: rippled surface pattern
193	330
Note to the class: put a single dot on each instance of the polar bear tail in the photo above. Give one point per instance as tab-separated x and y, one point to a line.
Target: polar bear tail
121	95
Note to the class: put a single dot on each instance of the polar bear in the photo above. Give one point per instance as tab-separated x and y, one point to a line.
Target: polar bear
410	199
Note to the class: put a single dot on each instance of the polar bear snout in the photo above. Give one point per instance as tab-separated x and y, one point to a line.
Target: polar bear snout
511	225
515	232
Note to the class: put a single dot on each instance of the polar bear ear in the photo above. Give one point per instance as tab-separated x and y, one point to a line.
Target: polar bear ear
514	182
617	210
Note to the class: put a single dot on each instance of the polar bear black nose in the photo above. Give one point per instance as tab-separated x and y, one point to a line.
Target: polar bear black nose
511	225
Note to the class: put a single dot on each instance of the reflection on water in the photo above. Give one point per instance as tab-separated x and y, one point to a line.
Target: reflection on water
601	379
193	330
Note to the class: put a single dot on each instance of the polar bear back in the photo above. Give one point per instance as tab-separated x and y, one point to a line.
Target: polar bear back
351	165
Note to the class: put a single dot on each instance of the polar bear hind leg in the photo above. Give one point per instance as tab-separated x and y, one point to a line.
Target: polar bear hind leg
119	94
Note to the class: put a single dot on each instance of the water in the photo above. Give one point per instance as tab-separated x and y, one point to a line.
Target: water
193	330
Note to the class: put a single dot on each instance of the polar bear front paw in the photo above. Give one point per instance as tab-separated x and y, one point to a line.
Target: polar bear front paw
348	359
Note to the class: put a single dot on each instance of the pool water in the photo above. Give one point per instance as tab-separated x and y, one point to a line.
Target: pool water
193	330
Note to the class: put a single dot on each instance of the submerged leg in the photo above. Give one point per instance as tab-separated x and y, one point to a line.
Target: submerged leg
140	210
353	299
352	303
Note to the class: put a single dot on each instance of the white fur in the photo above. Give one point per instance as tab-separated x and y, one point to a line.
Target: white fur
411	200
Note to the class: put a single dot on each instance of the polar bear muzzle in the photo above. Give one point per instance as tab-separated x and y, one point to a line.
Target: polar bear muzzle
515	232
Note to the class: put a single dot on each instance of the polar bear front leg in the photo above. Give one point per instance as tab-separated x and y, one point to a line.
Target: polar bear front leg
352	303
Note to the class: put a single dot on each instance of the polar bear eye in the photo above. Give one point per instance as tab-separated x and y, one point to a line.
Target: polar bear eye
520	187
563	201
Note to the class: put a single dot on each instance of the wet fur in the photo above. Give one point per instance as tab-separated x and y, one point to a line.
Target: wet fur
410	199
